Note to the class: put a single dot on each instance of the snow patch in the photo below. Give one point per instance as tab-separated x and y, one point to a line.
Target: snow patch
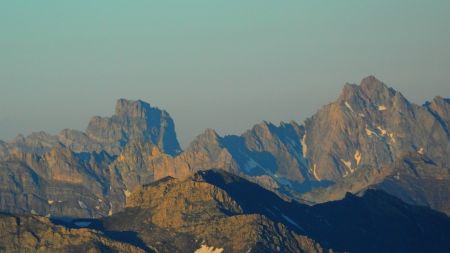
357	157
250	164
50	201
283	181
110	212
270	211
82	224
370	132
314	172
82	204
292	222
391	135
382	131
397	176
304	146
33	212
382	108
348	164
348	106
253	164
206	249
362	115
421	151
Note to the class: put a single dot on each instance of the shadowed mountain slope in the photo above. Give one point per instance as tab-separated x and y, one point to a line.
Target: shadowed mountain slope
221	210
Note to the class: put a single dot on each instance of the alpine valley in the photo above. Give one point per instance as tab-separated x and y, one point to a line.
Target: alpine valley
369	172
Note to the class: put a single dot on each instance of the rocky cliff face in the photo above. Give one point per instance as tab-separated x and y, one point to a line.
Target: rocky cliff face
268	154
59	182
373	137
74	173
134	120
373	125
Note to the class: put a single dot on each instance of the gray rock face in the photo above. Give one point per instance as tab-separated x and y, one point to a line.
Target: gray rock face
268	154
57	183
372	137
73	173
373	125
134	120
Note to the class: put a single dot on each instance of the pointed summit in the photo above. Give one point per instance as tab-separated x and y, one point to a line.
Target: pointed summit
375	90
132	108
134	120
209	139
371	80
371	90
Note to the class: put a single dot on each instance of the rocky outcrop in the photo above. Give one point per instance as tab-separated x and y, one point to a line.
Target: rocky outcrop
222	211
182	215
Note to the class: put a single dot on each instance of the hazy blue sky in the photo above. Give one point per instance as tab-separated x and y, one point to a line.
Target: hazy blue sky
220	64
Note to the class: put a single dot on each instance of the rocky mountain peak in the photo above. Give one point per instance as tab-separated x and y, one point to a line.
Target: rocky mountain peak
370	90
132	108
208	138
349	91
376	90
134	120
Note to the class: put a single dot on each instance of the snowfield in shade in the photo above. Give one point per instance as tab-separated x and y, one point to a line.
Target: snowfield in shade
292	222
82	224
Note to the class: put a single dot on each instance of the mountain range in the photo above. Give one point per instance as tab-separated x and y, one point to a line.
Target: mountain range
359	166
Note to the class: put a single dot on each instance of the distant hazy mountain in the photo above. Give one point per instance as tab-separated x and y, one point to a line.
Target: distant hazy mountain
370	137
69	174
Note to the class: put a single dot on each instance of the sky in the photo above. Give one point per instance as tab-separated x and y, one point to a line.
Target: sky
217	64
